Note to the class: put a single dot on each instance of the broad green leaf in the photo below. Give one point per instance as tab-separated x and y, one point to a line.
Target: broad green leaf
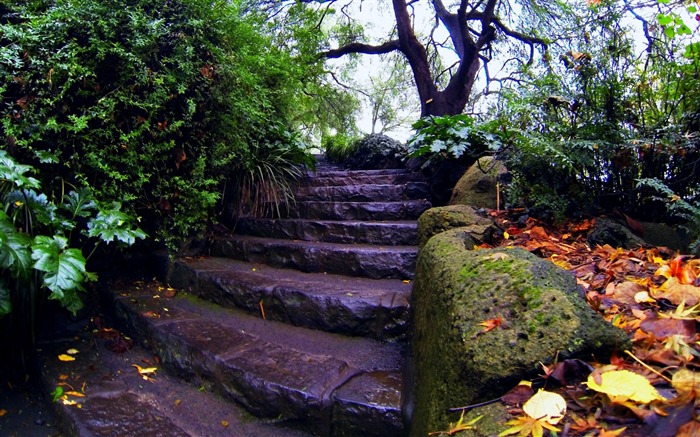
14	248
64	269
79	203
13	172
669	32
46	157
113	224
5	301
664	20
37	204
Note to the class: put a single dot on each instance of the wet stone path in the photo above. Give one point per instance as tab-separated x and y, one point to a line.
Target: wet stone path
287	327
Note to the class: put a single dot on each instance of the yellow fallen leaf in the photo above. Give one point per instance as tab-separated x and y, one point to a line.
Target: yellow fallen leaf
546	406
686	382
224	424
75	393
69	402
72	351
624	384
144	370
178	402
64	357
506	235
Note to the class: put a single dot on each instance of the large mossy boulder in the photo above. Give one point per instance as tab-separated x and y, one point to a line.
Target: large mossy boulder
543	316
443	218
478	186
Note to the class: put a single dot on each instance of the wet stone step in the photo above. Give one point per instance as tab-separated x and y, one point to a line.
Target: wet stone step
402	210
334	171
360	179
393	233
352	306
117	401
365	193
311	380
370	261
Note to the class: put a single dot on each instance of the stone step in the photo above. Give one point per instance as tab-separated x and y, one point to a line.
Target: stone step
364	193
360	179
376	308
401	210
370	261
117	401
393	233
336	171
327	384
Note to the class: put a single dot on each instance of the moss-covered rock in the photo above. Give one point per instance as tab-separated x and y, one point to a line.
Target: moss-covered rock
477	187
441	219
543	315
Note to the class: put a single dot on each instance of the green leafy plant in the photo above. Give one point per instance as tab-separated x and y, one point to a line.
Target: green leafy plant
451	136
339	148
41	248
263	179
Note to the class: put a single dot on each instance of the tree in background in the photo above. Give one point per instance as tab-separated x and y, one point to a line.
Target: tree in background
476	33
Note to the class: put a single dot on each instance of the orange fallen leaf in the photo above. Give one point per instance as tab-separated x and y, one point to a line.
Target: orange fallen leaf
3	412
62	377
65	357
491	324
75	393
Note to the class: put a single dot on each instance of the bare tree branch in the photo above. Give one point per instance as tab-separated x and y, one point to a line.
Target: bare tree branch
357	47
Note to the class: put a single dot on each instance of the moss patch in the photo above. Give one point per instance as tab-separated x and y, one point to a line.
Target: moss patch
542	312
441	219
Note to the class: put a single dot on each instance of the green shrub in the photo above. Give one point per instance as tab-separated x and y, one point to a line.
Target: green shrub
450	137
151	103
339	148
42	239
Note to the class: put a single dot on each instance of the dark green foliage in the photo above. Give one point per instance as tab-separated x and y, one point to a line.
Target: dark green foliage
339	148
450	137
583	130
41	250
151	103
262	179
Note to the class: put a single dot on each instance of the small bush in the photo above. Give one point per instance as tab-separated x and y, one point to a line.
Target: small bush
376	151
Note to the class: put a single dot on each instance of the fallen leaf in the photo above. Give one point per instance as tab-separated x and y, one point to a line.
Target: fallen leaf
459	426
518	394
690	429
224	424
686	382
146	370
75	393
64	357
491	324
624	384
546	406
3	412
72	351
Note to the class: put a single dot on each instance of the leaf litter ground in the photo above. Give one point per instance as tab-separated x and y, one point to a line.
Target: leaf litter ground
653	294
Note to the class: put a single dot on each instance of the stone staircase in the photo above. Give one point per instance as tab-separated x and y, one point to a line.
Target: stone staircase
303	320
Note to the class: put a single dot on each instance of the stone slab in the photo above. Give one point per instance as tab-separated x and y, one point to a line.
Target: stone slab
334	303
376	262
